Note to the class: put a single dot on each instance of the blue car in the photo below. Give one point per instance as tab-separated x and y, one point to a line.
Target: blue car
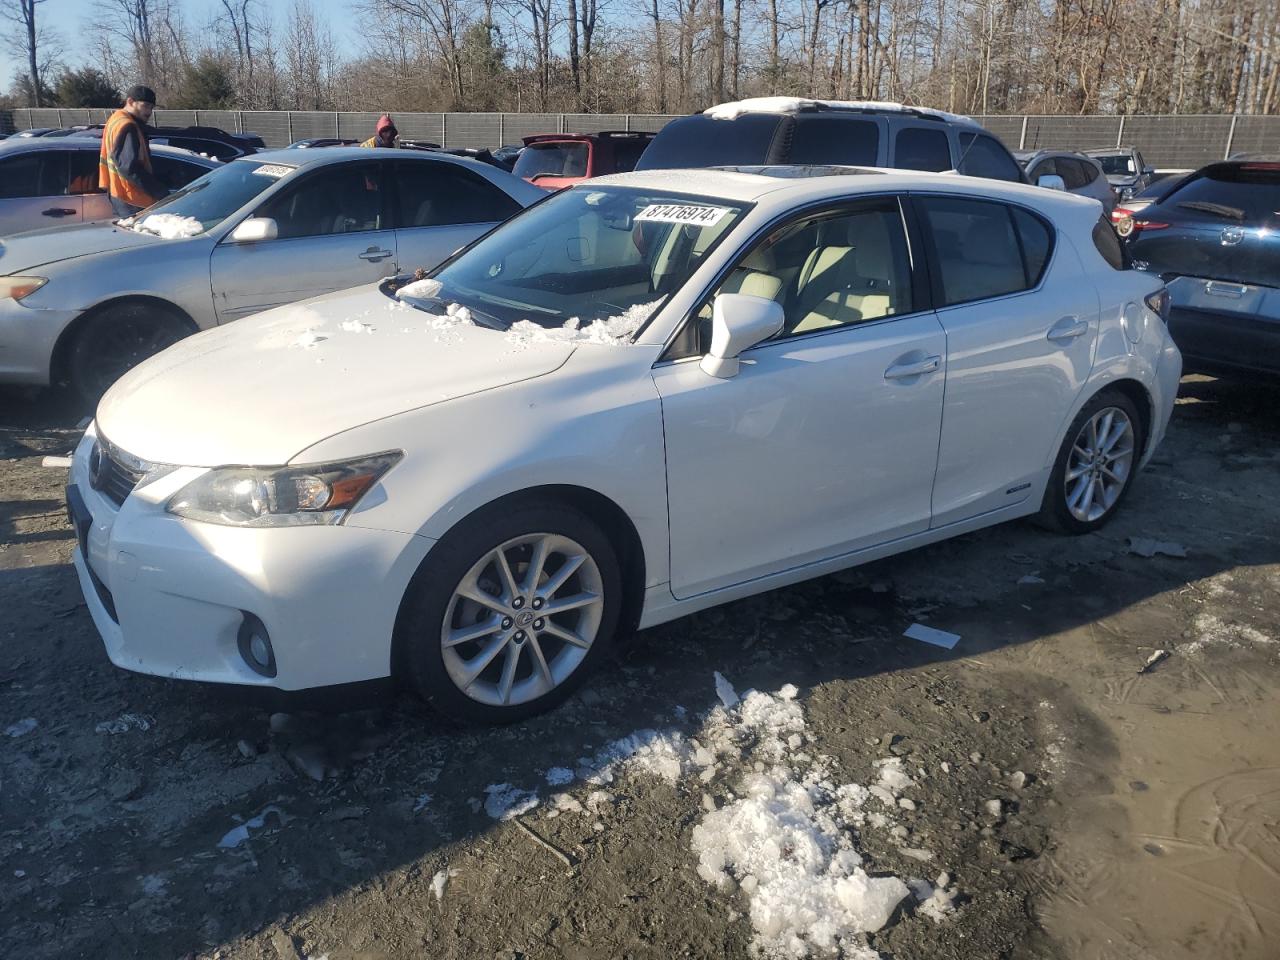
1215	241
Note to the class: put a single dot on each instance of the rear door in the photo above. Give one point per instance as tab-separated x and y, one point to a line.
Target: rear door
440	207
33	191
1021	318
334	232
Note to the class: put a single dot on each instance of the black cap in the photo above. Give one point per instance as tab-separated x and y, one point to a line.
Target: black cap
141	94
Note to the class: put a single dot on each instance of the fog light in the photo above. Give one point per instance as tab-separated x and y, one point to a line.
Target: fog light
255	646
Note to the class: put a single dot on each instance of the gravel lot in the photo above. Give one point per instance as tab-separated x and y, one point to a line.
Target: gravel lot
1082	806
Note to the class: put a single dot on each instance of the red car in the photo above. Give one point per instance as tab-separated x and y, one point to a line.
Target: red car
554	161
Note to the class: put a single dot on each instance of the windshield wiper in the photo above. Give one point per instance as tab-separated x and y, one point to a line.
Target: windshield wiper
1217	209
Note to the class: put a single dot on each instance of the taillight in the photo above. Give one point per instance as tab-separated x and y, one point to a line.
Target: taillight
1127	225
1158	302
1119	213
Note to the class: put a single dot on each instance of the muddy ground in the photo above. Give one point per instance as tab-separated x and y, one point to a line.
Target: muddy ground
1138	815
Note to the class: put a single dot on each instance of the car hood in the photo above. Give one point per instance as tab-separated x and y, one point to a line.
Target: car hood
260	390
37	248
1122	179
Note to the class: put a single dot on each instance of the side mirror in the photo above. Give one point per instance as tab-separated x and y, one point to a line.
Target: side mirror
1051	181
254	229
738	322
1148	171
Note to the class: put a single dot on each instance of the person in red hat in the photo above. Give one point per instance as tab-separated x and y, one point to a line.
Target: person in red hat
385	135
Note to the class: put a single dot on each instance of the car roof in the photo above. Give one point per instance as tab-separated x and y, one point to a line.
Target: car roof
795	105
315	158
36	144
788	184
1025	156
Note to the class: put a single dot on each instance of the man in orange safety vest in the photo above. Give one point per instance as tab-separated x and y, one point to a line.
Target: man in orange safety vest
124	164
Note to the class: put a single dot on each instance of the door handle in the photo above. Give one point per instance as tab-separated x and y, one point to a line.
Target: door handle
1068	328
59	212
900	371
373	255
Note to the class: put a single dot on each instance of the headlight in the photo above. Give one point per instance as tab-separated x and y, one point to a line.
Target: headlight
19	287
318	493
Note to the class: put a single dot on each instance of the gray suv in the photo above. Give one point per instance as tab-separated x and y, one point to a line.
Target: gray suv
783	130
1079	174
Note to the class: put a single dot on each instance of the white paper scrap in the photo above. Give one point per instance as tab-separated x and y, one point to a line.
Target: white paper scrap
939	638
57	462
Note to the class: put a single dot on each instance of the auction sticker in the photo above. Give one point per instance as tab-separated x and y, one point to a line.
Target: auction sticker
276	170
682	213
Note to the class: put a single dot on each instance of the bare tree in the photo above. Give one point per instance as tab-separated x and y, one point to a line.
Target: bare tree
32	42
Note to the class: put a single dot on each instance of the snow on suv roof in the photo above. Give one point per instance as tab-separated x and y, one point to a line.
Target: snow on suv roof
735	109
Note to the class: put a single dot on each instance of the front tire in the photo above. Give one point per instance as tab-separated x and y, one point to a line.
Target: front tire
510	612
1096	465
116	340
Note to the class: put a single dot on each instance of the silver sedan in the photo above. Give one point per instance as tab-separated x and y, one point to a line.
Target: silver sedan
85	303
50	182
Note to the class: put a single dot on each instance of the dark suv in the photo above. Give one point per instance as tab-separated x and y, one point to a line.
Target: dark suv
1215	241
782	131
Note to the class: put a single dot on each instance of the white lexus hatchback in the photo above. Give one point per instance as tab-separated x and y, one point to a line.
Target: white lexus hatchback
647	395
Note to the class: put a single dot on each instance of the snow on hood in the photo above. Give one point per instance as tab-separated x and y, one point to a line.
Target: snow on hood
731	111
170	226
37	248
260	390
611	331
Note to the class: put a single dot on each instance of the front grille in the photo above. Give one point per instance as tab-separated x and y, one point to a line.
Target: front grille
110	475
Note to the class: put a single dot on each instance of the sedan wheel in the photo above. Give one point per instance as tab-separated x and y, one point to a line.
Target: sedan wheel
522	619
510	611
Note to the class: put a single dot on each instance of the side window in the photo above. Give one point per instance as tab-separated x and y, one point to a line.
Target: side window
918	148
439	194
210	148
1108	244
84	173
832	270
1074	172
1036	239
839	140
1046	167
977	251
346	198
984	156
176	174
41	174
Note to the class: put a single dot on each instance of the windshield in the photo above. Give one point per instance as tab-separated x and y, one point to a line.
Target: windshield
552	160
215	196
595	262
1116	164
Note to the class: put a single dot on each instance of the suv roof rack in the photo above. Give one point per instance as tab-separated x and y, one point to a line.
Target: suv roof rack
729	111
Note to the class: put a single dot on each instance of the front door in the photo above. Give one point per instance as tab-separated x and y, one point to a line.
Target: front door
1021	319
334	233
33	192
826	440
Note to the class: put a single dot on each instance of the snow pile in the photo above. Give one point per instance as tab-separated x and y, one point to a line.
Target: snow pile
357	326
1212	630
786	840
309	338
935	901
169	225
423	289
22	727
126	722
611	331
559	776
505	802
731	111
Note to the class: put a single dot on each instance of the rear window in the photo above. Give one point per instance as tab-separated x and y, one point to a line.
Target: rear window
553	159
984	156
700	141
1247	193
836	140
919	148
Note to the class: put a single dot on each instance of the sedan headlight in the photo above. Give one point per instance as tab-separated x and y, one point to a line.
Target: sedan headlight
319	493
19	287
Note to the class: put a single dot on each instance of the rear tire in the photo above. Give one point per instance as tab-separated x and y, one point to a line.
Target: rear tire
1095	466
510	655
117	339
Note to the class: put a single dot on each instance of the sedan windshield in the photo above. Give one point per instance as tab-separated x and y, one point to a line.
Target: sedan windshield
1116	164
602	256
218	194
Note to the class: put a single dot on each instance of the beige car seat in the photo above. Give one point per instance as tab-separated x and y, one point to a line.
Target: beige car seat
848	277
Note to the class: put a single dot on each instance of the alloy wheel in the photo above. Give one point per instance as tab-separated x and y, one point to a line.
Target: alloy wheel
1099	465
522	619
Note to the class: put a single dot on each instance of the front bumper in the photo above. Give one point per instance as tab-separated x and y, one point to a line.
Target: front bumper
27	338
169	596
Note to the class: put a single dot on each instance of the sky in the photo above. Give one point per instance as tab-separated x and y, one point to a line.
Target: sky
71	19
